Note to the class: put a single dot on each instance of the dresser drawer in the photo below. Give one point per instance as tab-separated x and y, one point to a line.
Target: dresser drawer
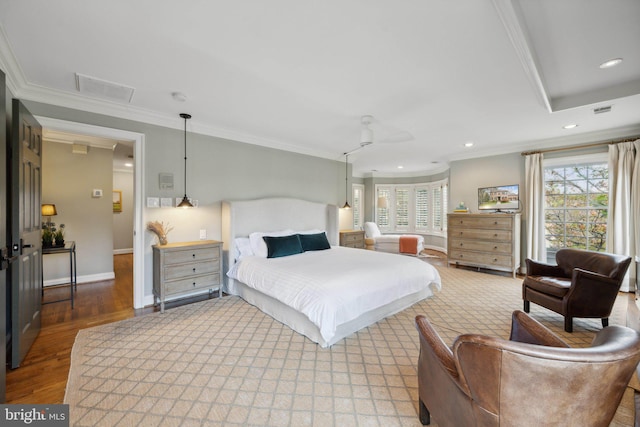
483	246
191	269
194	254
194	283
481	258
352	239
493	235
467	221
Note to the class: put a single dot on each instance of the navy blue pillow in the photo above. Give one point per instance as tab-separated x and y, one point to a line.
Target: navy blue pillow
279	246
314	242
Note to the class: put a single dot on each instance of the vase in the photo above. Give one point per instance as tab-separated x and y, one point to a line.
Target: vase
162	240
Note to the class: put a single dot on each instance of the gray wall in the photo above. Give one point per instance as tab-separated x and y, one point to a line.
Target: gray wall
218	169
466	176
123	221
68	181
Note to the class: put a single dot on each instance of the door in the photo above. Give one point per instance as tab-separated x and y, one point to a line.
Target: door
25	230
3	238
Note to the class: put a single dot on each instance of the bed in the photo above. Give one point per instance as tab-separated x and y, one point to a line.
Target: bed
325	295
411	244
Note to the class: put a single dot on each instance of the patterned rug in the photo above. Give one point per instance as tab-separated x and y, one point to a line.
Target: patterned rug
222	362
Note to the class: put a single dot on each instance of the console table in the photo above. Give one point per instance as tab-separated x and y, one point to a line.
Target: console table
70	248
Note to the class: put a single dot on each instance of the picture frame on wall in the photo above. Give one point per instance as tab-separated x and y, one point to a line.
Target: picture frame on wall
117	200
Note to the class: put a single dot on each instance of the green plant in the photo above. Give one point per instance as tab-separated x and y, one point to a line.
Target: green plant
47	237
59	235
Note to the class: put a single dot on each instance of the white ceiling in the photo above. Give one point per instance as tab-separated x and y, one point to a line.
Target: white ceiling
298	75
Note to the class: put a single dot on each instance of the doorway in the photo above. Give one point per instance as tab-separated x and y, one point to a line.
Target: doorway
137	139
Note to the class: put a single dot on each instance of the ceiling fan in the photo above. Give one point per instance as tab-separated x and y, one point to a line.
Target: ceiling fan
374	132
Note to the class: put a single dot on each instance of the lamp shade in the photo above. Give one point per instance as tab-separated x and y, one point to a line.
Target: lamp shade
382	202
49	210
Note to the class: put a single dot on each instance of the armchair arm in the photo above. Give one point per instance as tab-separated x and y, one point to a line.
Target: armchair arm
535	268
526	329
437	345
592	291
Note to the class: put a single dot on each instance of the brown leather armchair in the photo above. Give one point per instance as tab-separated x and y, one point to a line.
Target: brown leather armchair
582	284
533	379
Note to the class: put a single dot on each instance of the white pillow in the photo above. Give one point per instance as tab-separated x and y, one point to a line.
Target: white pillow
312	231
243	248
259	247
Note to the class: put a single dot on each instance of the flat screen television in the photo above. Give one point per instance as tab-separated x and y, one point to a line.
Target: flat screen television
499	198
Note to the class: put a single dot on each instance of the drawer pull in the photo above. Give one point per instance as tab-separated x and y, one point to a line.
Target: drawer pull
194	283
461	244
194	269
193	255
495	223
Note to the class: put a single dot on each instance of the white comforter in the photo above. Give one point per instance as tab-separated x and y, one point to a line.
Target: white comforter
337	285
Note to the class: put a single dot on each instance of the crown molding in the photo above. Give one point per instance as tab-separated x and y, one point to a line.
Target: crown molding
511	17
21	88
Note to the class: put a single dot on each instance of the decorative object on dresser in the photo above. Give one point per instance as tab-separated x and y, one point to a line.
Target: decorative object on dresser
160	230
352	238
180	269
489	241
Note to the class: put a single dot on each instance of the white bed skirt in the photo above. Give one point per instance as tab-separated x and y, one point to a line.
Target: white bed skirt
301	324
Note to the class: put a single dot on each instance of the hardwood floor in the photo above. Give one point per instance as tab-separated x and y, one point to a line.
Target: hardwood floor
42	376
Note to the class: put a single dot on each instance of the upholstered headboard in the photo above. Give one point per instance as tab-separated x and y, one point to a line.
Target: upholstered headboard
240	218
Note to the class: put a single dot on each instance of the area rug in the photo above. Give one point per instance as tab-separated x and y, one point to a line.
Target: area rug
222	362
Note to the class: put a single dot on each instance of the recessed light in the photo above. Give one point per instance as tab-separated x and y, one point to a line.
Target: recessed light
611	63
400	167
129	165
468	144
570	126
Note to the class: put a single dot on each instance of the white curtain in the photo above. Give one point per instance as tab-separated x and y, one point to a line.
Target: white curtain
534	197
622	223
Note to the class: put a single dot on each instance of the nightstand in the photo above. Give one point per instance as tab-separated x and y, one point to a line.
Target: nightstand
352	238
185	268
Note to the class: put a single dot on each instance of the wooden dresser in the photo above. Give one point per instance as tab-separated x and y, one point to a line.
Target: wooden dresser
484	240
186	267
352	238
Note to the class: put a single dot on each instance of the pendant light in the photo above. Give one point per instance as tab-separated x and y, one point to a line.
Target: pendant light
346	182
185	203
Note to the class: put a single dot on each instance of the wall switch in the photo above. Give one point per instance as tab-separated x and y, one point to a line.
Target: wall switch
203	234
153	202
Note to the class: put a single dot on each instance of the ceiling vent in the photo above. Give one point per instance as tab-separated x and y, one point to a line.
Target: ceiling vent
601	110
92	86
79	149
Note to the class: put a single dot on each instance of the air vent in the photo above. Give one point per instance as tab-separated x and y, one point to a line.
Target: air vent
601	110
92	86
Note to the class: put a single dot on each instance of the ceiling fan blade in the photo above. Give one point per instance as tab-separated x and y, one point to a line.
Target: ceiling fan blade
400	136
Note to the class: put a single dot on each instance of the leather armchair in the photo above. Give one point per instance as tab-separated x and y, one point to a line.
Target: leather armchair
533	379
582	284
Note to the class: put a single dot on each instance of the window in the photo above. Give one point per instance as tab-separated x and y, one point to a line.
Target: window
358	206
415	208
576	204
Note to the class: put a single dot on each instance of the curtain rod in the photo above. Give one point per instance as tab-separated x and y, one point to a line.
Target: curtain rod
577	147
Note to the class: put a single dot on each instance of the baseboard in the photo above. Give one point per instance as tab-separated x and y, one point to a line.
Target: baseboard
436	248
123	251
81	279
